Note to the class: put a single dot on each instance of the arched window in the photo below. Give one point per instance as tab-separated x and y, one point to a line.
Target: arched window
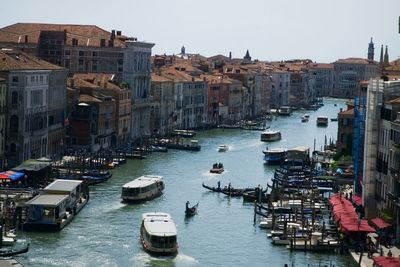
14	98
14	124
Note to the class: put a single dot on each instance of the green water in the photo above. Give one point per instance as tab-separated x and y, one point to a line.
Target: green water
106	231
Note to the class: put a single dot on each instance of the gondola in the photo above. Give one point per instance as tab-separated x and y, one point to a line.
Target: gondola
226	190
12	252
190	211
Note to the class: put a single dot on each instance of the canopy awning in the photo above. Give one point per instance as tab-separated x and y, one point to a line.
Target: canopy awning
357	200
383	261
11	175
378	222
352	225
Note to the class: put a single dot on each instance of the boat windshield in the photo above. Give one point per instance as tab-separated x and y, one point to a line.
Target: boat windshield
163	241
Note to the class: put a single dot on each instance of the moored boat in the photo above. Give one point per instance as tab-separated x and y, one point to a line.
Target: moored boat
270	135
274	155
143	188
158	233
57	206
304	119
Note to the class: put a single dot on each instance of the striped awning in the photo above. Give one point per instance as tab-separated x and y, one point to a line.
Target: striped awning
11	175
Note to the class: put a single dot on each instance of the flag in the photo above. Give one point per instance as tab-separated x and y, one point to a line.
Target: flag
65	120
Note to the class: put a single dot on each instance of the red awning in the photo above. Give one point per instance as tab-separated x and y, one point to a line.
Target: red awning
351	225
357	200
380	223
383	261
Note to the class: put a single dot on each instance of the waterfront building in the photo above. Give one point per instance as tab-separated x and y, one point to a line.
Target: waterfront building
190	93
104	84
323	75
36	104
162	105
348	72
3	109
381	152
280	88
88	48
345	129
92	120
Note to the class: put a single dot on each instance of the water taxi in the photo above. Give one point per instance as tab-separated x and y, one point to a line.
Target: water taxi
217	168
269	136
322	121
158	233
223	148
275	155
143	188
285	110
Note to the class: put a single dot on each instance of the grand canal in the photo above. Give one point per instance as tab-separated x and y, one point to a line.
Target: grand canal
106	231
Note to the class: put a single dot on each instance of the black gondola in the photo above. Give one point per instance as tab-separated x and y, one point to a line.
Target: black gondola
191	211
12	252
226	189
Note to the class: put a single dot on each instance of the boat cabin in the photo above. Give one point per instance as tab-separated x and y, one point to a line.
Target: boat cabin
74	189
143	188
158	233
322	121
47	212
270	135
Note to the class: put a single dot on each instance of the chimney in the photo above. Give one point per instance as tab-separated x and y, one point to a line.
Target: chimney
119	33
112	33
112	37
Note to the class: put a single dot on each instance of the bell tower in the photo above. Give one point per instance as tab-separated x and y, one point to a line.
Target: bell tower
371	50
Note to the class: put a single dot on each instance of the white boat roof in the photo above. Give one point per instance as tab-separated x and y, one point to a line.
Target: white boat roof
275	150
159	223
47	200
63	185
322	117
300	149
270	132
143	181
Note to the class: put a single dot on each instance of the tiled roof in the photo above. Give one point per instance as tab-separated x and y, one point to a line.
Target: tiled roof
87	35
99	80
159	78
322	66
353	60
11	59
347	112
88	98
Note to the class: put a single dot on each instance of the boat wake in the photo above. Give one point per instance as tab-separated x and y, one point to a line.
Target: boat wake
143	259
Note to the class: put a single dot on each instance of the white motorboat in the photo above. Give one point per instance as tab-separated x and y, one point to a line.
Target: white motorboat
322	121
158	233
274	155
143	188
223	148
270	135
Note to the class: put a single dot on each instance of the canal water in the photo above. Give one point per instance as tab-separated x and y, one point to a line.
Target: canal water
106	231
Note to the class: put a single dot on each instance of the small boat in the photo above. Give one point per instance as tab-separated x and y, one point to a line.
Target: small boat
285	110
190	211
275	155
217	168
143	188
184	133
159	149
322	121
270	135
306	116
158	233
304	119
223	148
12	252
225	189
333	119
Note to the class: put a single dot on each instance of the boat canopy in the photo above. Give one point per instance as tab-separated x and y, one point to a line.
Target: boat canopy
159	223
63	185
48	200
143	181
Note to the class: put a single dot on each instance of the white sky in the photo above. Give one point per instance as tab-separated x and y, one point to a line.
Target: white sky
321	30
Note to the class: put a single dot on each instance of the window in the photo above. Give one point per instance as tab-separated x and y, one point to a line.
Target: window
67	52
103	42
81	53
74	41
15	79
14	98
94	54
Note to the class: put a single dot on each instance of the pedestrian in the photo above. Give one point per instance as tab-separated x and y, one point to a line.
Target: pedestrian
389	253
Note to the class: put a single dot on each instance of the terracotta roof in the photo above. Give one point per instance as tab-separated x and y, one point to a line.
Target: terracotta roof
353	60
347	112
88	98
87	35
98	80
365	82
11	59
322	66
159	78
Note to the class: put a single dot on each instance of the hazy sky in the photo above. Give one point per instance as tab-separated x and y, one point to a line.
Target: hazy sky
321	30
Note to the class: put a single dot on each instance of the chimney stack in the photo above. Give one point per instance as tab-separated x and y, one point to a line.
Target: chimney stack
119	33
